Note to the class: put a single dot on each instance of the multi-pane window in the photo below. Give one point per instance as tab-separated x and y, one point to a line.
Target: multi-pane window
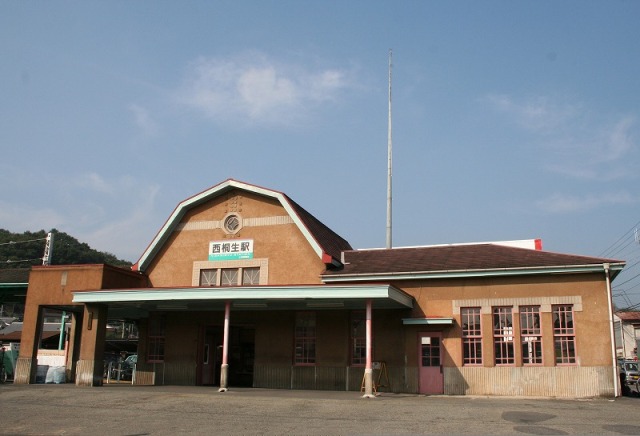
358	334
530	335
503	336
156	338
430	351
208	277
250	276
305	338
230	276
471	335
564	334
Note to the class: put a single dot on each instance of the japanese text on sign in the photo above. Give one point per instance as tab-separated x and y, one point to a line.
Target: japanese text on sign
234	249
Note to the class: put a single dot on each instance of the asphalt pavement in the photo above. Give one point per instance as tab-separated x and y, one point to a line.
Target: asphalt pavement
119	409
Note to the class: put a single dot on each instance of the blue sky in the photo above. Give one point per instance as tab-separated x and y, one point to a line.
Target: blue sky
511	120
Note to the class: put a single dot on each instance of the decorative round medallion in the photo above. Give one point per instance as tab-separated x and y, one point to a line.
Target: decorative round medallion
232	223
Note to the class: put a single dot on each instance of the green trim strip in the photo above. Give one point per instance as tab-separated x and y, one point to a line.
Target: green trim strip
427	321
14	285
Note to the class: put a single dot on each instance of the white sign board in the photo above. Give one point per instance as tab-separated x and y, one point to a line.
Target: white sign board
231	249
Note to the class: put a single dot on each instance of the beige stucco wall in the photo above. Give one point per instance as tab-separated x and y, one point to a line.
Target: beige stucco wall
440	298
291	260
53	286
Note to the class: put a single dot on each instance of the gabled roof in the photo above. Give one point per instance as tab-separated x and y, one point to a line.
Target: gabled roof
460	260
326	243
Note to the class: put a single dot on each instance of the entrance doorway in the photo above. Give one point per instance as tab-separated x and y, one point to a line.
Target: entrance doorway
430	355
240	359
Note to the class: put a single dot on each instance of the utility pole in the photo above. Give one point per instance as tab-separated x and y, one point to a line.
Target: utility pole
46	261
48	250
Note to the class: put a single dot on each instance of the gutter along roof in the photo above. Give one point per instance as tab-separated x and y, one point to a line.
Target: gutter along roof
325	242
471	260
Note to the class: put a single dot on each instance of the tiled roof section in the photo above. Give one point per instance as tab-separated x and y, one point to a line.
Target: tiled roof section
455	258
14	275
629	316
331	243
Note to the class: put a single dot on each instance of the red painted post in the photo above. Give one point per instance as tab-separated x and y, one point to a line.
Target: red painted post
368	370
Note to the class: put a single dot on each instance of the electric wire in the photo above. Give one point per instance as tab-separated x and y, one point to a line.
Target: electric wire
621	249
22	242
9	261
21	261
624	235
625	286
630	279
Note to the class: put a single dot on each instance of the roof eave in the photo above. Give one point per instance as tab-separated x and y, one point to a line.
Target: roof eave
614	268
311	292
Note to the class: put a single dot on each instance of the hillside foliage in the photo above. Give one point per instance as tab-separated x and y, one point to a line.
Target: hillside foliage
24	250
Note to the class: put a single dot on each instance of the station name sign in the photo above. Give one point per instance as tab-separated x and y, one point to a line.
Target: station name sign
231	250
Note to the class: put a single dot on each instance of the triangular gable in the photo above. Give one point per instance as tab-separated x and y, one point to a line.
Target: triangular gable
317	234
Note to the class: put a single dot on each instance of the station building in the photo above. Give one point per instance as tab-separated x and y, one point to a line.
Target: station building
244	287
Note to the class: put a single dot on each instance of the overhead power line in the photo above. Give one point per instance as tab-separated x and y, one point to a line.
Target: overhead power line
22	261
22	242
612	246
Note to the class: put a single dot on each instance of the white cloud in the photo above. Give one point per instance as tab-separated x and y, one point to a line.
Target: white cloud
605	152
256	89
561	203
143	120
128	234
574	141
539	114
18	218
92	182
619	142
117	214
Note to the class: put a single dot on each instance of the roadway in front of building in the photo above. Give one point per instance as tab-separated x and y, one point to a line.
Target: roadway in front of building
119	409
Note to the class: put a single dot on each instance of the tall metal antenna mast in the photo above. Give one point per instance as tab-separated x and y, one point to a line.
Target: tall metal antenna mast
389	175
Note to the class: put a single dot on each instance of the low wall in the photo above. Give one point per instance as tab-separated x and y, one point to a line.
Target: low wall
568	382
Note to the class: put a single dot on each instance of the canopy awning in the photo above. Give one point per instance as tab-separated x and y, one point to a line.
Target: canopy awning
132	303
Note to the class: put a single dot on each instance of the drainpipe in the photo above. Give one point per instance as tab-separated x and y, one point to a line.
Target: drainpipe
624	348
224	368
616	379
368	370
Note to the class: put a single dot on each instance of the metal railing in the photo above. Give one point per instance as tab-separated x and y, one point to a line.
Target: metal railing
118	372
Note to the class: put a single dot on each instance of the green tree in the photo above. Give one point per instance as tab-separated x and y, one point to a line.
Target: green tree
23	250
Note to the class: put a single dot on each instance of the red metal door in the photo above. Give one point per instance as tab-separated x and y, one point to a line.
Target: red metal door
430	365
